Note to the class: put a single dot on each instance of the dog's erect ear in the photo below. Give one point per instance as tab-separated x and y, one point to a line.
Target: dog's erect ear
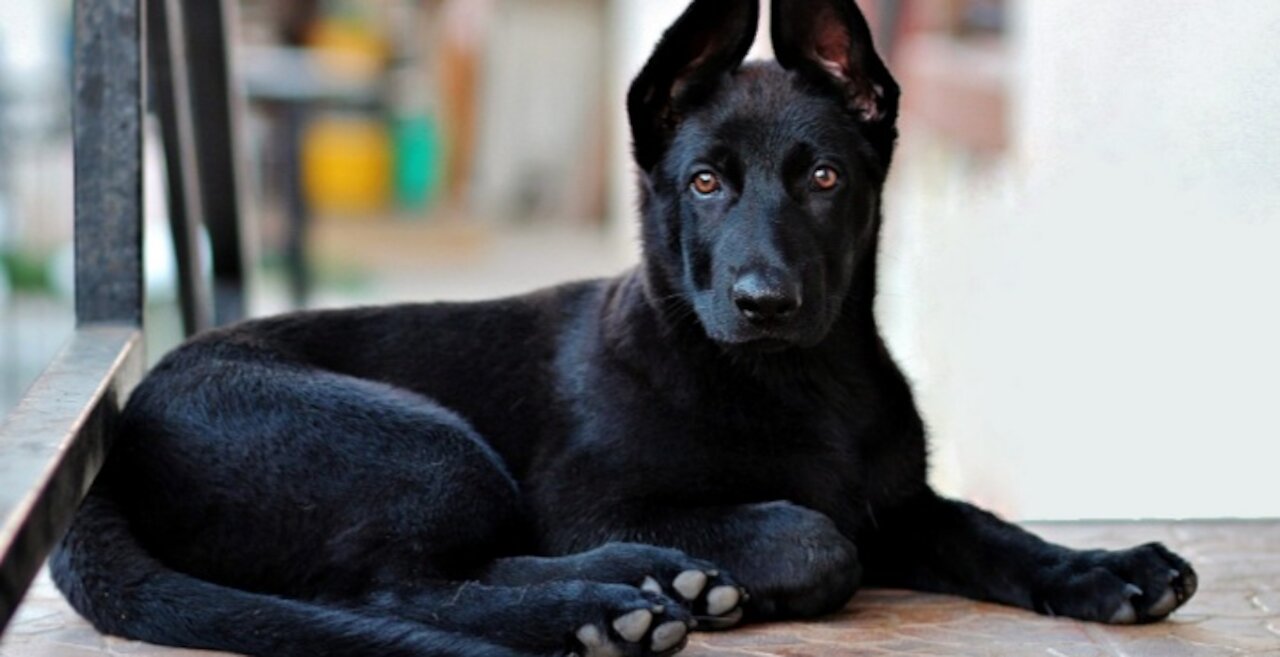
829	40
710	39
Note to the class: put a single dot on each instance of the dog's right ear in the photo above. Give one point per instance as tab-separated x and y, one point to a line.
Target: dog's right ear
710	39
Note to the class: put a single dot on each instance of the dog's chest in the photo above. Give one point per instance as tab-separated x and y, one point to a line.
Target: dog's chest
656	431
813	457
741	449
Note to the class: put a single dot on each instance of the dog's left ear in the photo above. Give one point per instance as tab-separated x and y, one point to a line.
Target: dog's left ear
710	39
830	42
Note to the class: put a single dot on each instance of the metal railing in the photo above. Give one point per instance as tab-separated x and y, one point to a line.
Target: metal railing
54	442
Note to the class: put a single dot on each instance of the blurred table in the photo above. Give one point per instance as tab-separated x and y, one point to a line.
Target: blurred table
1236	612
289	84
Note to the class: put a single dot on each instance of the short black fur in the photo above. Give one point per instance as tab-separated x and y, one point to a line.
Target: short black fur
592	468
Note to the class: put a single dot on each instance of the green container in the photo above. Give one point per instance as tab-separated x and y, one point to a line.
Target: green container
419	164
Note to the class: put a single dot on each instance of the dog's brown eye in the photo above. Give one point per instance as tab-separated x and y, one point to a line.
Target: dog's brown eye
825	178
705	183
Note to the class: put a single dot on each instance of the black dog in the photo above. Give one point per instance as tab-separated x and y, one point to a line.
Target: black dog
718	435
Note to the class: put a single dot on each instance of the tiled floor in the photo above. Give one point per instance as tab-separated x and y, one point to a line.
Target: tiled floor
1236	612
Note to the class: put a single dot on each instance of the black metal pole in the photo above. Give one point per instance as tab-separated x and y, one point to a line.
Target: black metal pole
108	115
217	103
170	78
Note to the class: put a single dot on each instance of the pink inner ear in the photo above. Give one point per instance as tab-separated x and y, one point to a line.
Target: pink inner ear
836	69
831	46
831	49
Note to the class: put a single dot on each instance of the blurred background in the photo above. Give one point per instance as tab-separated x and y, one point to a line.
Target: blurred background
1082	250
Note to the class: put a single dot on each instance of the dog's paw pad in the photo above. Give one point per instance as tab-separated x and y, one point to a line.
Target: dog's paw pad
595	643
700	588
632	623
723	599
1170	599
633	626
690	583
668	635
714	599
1165	605
1126	613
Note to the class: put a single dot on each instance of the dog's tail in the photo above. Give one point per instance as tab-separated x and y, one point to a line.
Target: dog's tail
109	578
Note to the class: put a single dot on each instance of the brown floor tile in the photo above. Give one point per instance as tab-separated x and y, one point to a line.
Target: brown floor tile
1236	613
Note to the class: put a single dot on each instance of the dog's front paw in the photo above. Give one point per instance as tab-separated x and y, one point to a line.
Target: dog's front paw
635	624
1138	585
712	596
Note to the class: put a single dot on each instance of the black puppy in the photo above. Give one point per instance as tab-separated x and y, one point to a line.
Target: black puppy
717	435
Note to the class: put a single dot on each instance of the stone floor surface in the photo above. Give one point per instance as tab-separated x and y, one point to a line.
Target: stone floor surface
1236	612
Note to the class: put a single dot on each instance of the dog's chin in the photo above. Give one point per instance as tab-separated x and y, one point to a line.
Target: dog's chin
754	340
761	346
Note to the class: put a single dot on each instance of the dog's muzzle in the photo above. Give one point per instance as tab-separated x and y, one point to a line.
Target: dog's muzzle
766	301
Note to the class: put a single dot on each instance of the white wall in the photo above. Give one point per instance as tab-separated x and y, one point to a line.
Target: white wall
1095	324
540	113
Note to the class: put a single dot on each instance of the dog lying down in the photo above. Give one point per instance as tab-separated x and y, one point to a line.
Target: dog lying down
717	436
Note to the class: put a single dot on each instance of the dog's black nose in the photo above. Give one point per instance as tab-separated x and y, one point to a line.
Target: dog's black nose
763	301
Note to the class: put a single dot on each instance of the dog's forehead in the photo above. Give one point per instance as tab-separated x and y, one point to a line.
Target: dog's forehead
763	112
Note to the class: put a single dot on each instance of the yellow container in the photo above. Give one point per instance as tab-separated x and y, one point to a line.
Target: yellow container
347	166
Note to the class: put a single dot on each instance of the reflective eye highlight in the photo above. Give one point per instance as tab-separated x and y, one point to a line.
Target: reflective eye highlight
825	178
705	183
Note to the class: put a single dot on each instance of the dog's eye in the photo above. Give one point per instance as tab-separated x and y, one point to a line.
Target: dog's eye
825	179
705	183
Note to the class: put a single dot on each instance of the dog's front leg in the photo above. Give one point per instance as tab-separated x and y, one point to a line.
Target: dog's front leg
793	561
942	545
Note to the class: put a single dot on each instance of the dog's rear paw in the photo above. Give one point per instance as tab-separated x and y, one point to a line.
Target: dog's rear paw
641	625
1138	585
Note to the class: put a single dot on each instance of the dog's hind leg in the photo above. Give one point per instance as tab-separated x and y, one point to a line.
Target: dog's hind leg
123	590
274	476
247	473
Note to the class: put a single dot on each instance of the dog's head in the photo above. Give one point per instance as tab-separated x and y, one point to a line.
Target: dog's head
761	182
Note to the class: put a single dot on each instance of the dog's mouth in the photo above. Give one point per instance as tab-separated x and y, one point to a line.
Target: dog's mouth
762	344
766	345
734	334
759	340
